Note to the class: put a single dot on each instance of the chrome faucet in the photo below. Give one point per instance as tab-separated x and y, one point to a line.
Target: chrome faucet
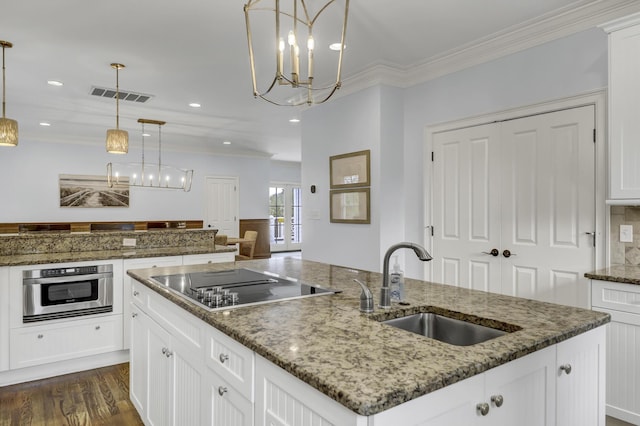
385	291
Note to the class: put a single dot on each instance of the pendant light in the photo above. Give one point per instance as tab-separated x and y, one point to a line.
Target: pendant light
117	140
8	127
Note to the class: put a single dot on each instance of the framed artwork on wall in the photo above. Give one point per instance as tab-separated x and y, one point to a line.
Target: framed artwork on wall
350	170
350	206
88	191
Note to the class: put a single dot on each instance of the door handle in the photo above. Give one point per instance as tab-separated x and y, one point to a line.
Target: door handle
508	253
494	252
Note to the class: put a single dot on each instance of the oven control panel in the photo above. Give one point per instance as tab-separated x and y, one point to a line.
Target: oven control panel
67	272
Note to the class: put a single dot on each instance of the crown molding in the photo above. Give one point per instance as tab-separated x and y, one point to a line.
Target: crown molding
580	16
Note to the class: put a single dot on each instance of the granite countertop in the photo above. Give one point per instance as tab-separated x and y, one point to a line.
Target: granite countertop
124	253
366	366
627	274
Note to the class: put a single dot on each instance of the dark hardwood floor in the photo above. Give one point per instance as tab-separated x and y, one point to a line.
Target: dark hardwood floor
89	398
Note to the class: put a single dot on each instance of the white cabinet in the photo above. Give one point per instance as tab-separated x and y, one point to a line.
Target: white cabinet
40	344
149	262
229	407
166	377
196	259
622	302
4	318
624	103
520	392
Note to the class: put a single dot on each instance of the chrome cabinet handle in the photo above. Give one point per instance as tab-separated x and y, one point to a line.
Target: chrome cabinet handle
498	400
566	368
133	315
97	327
223	358
169	353
483	408
222	390
508	253
136	293
164	351
40	336
494	252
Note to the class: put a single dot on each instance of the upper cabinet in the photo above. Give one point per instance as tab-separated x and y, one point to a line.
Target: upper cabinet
624	108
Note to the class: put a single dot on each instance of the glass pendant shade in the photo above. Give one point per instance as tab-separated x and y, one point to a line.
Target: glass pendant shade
117	141
8	132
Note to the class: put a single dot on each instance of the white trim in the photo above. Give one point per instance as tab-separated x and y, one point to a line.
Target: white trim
597	98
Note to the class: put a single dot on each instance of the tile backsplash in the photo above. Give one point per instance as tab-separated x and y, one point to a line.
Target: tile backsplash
624	253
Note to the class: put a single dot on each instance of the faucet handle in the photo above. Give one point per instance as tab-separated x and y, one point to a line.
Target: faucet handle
366	298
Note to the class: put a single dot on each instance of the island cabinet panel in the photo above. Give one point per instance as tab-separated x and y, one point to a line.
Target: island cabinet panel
4	318
229	407
284	400
231	361
520	392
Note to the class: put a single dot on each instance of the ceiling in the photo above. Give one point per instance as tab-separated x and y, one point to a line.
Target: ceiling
196	51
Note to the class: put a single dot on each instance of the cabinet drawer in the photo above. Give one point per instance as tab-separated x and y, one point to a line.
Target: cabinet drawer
231	361
62	341
621	297
197	259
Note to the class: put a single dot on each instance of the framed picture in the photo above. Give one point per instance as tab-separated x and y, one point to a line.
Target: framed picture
350	206
350	170
92	192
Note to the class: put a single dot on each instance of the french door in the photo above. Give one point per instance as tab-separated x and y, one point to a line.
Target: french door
285	217
514	206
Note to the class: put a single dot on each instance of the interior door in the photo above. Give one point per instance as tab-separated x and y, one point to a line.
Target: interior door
548	205
526	188
466	212
222	205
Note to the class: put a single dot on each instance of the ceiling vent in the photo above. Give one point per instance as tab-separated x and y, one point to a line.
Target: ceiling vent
106	92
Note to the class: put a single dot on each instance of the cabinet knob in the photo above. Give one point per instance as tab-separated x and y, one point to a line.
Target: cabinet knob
222	390
483	408
168	354
566	368
133	315
40	336
223	358
136	293
164	351
97	327
497	400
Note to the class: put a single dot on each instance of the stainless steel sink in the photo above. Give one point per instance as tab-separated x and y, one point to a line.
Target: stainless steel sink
444	329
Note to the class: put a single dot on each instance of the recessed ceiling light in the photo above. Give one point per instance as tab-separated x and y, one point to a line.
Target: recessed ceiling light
146	135
194	105
226	143
294	120
54	83
45	124
336	46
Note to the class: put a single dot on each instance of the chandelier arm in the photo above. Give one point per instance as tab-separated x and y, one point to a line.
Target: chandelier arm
251	60
344	35
313	21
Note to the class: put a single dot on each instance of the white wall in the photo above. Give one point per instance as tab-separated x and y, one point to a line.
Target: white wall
30	190
565	67
286	171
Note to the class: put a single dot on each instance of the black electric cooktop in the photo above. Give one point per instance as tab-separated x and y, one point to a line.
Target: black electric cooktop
219	290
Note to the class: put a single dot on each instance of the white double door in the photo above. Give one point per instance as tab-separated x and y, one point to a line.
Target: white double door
514	206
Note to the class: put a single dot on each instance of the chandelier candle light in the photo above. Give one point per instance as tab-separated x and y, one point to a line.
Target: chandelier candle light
300	23
117	140
149	175
8	127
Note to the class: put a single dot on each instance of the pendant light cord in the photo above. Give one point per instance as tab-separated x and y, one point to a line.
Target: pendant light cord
3	87
117	99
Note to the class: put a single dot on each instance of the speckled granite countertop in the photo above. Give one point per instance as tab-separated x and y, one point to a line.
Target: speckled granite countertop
628	274
366	366
125	253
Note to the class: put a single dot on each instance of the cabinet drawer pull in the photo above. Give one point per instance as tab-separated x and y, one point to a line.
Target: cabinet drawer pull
222	390
136	293
133	315
164	351
223	358
498	400
97	327
40	336
483	408
566	368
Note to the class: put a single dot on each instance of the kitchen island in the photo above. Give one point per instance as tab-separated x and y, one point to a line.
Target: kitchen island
345	364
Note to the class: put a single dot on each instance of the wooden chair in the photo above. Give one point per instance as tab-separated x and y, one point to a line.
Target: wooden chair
247	247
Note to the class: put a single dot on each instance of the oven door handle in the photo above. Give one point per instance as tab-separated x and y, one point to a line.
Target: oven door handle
67	279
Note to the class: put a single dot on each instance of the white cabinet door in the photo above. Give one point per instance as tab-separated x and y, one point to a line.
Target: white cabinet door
580	372
138	361
228	406
149	262
4	318
624	102
159	377
522	392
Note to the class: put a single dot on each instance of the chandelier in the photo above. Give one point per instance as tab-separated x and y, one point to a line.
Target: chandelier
149	175
8	127
300	64
117	140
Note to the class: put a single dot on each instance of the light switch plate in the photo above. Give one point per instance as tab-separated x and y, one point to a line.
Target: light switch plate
626	233
129	242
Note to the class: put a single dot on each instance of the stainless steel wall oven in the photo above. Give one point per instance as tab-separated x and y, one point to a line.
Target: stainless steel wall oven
66	292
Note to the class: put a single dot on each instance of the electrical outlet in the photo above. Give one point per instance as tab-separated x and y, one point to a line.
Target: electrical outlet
626	233
129	242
